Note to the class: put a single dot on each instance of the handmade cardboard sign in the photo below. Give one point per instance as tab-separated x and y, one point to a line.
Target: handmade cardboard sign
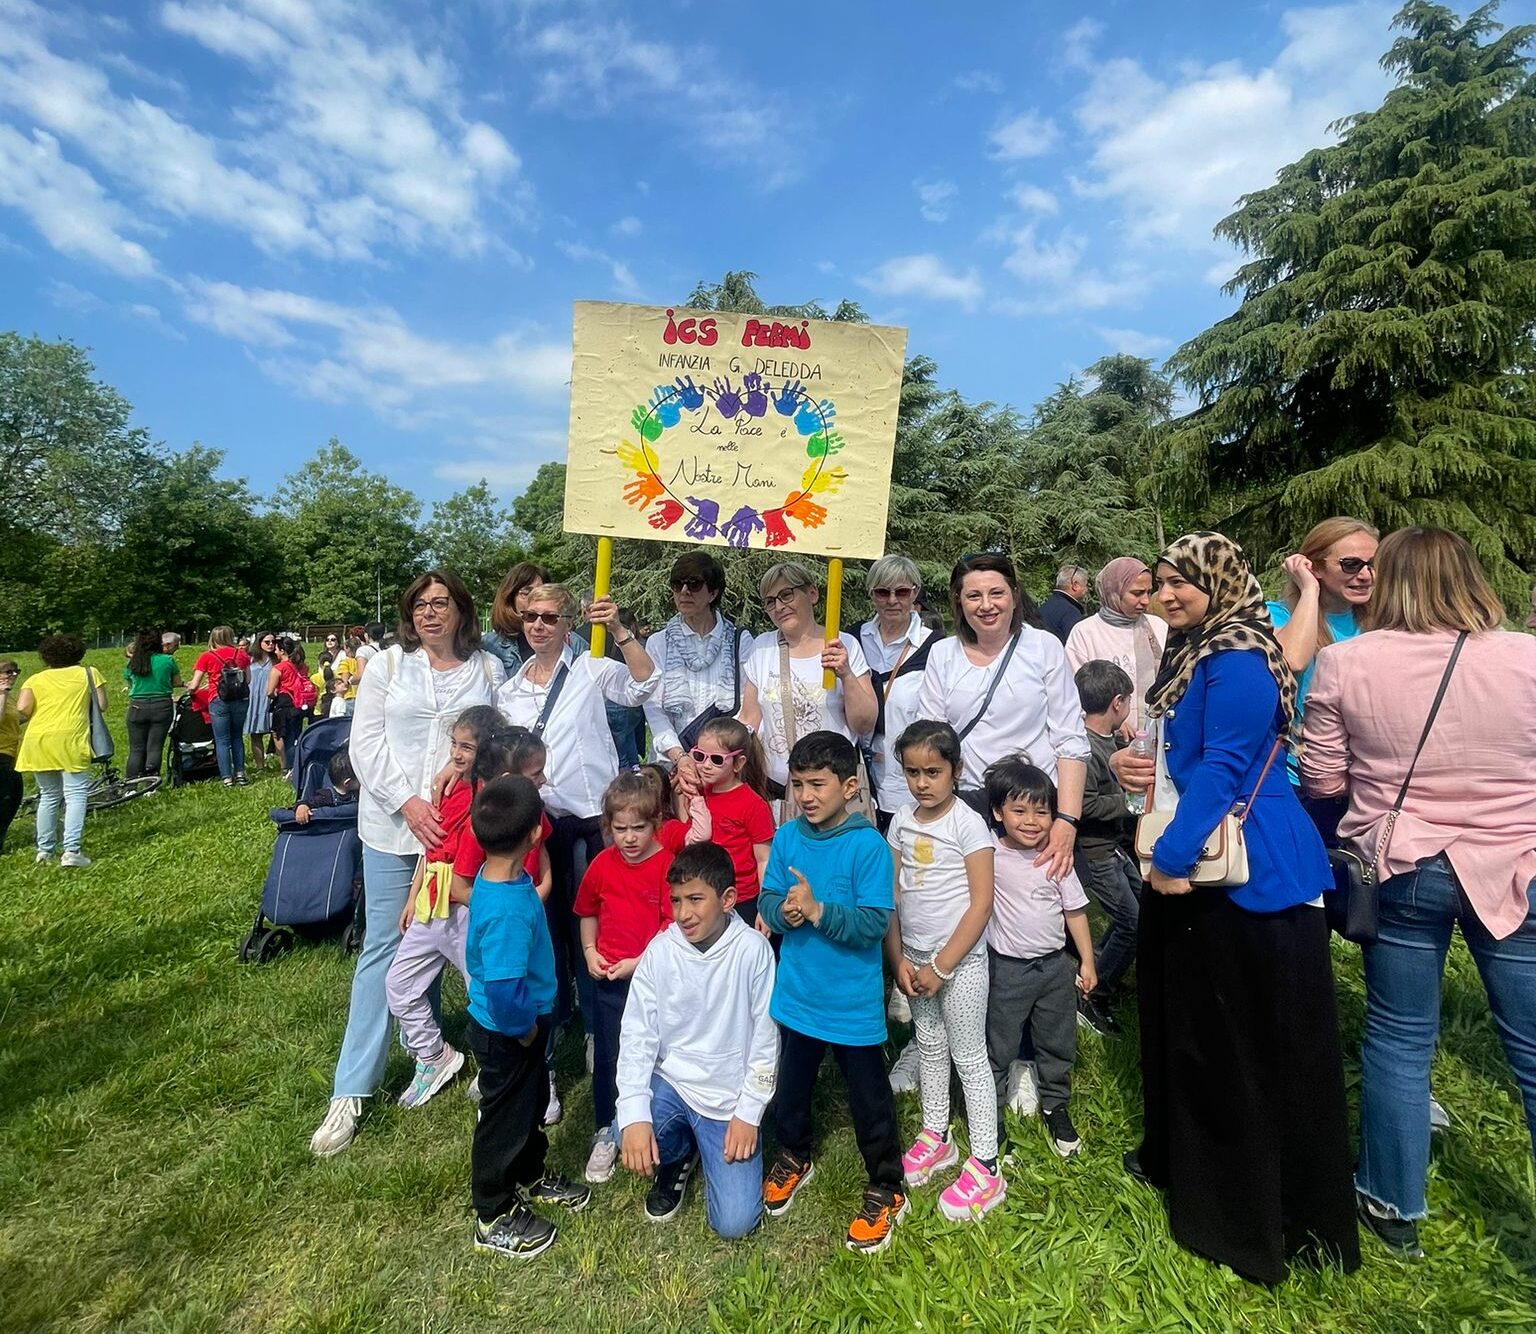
733	430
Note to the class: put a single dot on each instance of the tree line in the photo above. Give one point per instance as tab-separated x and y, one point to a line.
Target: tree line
1379	363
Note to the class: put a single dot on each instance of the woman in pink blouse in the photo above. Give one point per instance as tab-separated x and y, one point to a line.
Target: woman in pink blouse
1462	853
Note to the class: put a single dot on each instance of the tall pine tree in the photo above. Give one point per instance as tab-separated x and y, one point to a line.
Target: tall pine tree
1380	363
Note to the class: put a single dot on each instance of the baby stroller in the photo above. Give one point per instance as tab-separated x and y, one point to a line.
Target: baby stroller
315	882
190	754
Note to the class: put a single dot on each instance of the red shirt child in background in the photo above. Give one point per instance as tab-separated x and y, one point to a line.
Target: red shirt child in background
510	750
732	779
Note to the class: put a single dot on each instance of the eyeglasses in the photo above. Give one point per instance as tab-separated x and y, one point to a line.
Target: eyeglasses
772	600
439	605
712	757
1352	565
543	617
687	585
897	593
331	639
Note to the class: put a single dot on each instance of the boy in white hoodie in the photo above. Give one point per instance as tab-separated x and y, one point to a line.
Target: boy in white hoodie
698	1052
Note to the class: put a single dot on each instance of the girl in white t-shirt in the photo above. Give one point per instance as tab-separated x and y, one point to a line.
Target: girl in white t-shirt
936	945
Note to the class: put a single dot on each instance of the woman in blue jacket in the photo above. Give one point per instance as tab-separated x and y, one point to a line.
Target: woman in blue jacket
1244	1122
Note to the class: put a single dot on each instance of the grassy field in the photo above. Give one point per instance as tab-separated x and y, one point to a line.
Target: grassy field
157	1100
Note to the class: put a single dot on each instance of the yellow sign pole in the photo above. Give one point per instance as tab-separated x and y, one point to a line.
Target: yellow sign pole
834	612
600	581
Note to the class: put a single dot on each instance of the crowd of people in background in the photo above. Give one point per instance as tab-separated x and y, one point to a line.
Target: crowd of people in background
728	868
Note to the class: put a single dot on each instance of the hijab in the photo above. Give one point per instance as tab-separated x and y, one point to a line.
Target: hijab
1112	582
1236	619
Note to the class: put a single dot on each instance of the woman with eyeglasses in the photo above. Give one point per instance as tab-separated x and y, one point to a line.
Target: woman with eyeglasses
1122	632
559	693
258	715
505	638
783	697
896	645
407	702
699	656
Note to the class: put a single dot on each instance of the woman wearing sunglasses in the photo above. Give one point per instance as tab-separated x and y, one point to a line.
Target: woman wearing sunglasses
698	656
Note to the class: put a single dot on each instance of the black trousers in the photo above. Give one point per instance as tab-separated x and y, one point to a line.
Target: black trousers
575	841
869	1102
148	720
10	794
606	1019
509	1146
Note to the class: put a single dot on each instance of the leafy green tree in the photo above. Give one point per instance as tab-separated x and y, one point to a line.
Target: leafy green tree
350	538
737	293
1380	361
471	534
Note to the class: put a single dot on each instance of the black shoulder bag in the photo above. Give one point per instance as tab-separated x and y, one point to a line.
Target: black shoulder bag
976	797
1351	906
555	687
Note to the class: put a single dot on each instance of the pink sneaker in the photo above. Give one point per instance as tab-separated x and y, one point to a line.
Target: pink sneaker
929	1154
974	1192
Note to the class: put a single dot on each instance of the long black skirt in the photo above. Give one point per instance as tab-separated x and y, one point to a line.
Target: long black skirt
1245	1123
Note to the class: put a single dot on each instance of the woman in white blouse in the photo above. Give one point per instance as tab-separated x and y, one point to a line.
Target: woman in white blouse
1033	709
559	692
699	656
405	710
1122	632
776	703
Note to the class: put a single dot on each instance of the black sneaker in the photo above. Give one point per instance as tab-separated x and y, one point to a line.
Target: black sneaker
518	1235
1094	1015
1398	1235
666	1194
552	1188
1133	1168
1058	1125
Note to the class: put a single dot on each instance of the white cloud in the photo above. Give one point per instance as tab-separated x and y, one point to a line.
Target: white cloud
66	204
1032	199
925	276
1133	341
978	81
1024	136
623	280
629	226
1177	154
1057	280
934	198
1078	41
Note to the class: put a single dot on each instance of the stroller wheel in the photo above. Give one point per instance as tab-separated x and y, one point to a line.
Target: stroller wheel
250	947
277	941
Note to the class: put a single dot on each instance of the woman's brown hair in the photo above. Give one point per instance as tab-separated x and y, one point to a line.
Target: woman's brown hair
1429	579
504	617
466	637
221	636
988	562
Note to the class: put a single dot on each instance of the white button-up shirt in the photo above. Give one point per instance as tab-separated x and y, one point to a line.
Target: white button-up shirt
891	790
400	735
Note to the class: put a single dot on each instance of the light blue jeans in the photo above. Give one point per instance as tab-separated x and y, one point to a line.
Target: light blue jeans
733	1192
365	1048
228	723
1402	1023
53	787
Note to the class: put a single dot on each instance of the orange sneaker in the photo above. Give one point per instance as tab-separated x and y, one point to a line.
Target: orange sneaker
875	1222
784	1180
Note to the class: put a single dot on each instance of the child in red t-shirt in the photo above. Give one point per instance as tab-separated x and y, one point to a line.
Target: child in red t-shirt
733	781
511	750
623	902
433	926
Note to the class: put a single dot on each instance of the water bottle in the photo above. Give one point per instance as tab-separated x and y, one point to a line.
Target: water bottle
1141	747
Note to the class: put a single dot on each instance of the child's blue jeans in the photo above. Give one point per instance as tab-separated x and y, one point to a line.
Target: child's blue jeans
733	1192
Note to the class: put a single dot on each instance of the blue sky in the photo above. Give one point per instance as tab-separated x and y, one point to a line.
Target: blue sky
274	221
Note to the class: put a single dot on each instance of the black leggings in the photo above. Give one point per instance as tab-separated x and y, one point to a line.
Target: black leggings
572	845
148	720
10	794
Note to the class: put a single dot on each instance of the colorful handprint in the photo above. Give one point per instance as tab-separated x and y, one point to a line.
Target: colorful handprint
666	407
756	401
688	394
642	420
727	400
820	480
667	513
812	418
787	399
706	518
806	510
823	443
741	525
778	534
642	459
644	489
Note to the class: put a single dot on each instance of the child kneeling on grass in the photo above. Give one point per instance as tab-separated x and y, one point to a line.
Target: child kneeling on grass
828	889
698	1050
511	995
1030	974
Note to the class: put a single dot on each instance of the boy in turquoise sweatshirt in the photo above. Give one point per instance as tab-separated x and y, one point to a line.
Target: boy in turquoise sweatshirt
828	888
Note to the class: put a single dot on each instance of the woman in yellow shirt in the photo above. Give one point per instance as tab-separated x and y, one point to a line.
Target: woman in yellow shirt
56	747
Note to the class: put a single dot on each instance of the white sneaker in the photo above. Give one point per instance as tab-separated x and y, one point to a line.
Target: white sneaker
43	858
1439	1118
1023	1093
605	1152
554	1111
74	859
898	1008
338	1128
430	1078
904	1072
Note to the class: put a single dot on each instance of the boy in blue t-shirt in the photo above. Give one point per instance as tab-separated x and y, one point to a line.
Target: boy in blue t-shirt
829	888
511	966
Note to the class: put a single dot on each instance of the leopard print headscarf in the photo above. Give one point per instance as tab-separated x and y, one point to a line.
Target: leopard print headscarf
1237	619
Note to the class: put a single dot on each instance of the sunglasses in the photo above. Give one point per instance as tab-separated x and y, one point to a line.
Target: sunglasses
772	600
687	585
543	617
713	757
1352	565
898	593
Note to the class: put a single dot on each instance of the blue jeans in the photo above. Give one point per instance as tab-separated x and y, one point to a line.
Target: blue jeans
54	786
1116	883
1402	1022
228	722
365	1048
733	1192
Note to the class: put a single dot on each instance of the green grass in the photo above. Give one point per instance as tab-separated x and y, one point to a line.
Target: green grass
156	1101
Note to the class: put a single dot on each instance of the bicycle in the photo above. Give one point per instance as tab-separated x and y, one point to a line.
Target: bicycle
109	789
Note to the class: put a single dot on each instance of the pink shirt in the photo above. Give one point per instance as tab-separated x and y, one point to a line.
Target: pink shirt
1028	910
1473	794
